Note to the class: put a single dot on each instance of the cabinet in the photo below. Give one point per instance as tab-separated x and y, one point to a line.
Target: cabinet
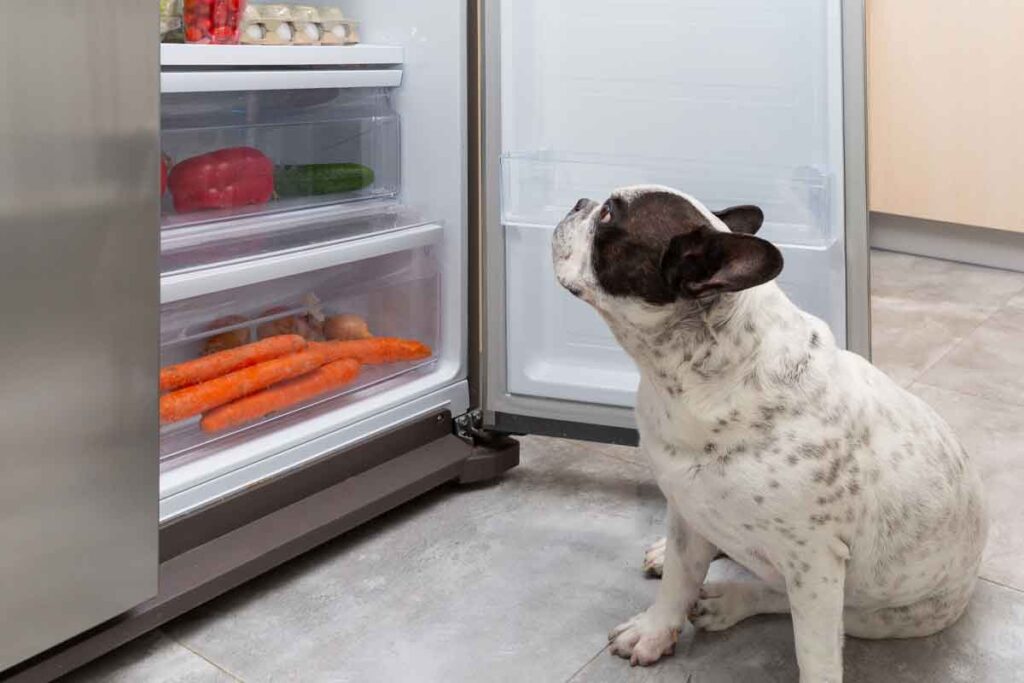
945	106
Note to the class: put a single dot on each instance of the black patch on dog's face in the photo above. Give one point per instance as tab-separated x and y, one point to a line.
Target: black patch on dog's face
659	247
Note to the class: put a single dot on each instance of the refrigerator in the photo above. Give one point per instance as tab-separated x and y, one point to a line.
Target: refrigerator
481	122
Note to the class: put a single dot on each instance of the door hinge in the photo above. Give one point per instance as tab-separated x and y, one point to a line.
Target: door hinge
469	426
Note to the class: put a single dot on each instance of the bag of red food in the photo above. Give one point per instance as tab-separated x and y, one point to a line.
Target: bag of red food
212	21
235	176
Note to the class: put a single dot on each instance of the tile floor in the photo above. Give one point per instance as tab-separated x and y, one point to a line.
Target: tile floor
520	580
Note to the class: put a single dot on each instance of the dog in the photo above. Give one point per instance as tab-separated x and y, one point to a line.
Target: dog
850	500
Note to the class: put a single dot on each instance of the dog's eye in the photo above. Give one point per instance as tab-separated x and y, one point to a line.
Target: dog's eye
606	215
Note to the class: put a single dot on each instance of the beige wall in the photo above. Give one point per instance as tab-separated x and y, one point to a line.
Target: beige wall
946	110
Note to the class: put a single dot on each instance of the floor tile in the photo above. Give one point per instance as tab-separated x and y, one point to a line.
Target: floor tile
987	644
904	276
153	658
989	362
518	581
909	336
993	433
921	308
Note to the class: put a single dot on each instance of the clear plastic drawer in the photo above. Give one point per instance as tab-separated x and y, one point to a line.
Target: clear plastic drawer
393	284
244	153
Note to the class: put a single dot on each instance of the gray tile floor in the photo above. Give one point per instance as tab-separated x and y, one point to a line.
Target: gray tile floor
520	580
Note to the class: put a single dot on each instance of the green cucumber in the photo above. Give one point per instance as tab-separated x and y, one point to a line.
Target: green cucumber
316	179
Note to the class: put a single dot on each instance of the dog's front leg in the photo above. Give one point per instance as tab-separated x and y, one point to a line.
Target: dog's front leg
652	634
815	588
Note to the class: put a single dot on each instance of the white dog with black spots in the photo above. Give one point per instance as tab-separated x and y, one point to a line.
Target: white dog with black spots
849	498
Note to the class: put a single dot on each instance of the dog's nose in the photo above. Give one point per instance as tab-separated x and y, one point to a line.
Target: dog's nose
582	204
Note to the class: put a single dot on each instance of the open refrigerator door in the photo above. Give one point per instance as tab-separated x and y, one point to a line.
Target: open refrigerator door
595	96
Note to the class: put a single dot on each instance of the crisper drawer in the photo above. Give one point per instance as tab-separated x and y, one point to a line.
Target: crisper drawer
392	282
243	153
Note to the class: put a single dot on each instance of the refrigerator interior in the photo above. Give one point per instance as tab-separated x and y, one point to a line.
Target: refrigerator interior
393	252
600	95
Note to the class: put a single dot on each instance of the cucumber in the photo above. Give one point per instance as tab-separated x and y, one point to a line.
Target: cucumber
316	179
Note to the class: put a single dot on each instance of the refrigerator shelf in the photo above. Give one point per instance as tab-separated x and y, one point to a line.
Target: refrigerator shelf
226	56
539	188
239	237
241	271
226	81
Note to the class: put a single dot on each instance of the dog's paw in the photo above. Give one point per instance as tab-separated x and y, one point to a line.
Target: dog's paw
644	639
654	558
723	604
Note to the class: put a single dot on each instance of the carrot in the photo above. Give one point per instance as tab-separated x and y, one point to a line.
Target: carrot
220	363
374	350
252	407
184	403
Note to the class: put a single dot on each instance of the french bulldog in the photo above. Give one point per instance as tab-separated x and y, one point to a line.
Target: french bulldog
850	500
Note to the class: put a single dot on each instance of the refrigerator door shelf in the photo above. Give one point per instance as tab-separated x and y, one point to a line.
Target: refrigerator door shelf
560	348
186	55
295	129
539	188
395	288
225	81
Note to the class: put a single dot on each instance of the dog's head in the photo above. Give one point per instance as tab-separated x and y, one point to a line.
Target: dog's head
649	247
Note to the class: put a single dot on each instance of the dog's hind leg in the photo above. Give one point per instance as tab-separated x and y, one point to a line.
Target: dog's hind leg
654	558
722	604
922	618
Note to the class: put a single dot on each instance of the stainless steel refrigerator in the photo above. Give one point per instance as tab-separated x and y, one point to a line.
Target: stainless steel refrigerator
480	123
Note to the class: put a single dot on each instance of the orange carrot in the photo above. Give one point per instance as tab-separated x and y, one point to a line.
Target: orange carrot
220	363
252	407
374	350
184	403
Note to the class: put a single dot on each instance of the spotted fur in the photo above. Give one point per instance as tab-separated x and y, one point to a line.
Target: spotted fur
847	496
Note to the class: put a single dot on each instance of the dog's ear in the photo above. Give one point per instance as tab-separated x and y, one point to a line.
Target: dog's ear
744	220
707	261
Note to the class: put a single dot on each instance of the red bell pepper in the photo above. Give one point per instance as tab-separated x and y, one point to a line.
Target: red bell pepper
224	179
